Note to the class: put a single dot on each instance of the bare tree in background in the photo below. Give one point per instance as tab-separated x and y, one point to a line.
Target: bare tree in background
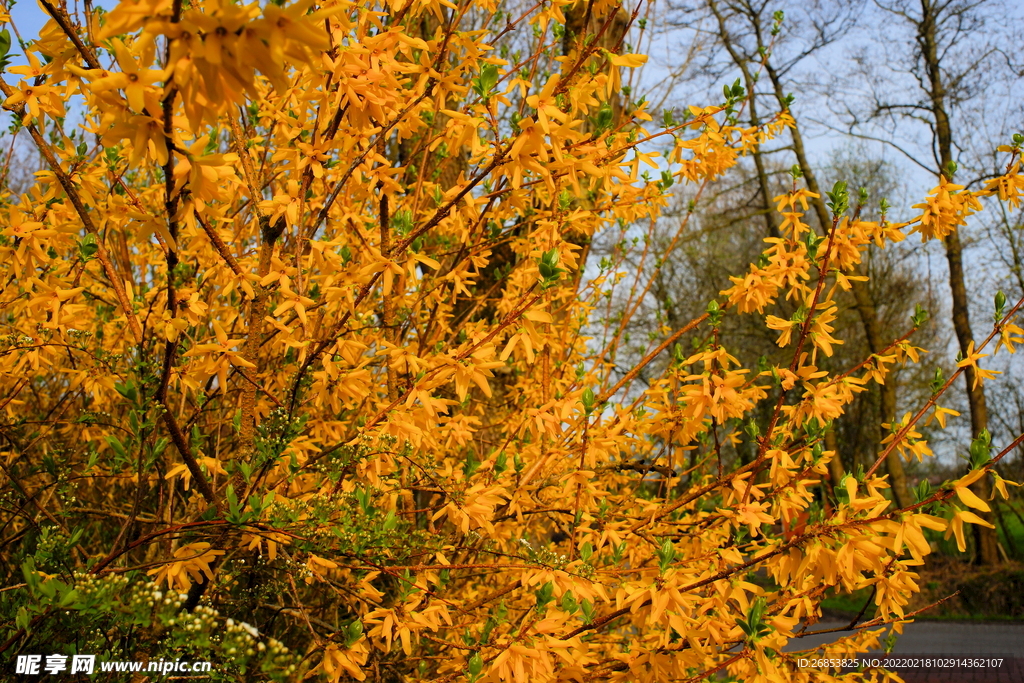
19	161
960	58
747	31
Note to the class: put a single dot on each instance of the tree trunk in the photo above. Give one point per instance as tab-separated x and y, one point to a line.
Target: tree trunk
581	23
836	471
862	296
770	217
985	539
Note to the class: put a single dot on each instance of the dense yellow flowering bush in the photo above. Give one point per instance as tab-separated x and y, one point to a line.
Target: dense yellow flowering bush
300	331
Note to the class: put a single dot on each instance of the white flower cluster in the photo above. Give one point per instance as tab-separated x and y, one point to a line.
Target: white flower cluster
89	584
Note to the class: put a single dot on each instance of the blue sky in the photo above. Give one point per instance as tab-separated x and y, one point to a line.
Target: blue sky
29	18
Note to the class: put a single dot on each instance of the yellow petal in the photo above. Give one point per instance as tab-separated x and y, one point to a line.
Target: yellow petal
956	527
968	498
629	61
971	478
427	261
974	519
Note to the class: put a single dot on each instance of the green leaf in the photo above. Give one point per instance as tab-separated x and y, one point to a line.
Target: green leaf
68	598
620	550
564	200
714	311
754	626
28	570
159	446
390	522
116	444
588	400
666	553
235	511
353	632
1000	302
605	115
485	82
920	316
839	198
548	267
401	222
127	390
87	247
923	490
48	588
588	610
544	595
981	450
476	664
5	46
586	551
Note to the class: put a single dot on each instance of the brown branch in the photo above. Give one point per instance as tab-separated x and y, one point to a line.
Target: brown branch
181	443
219	244
646	360
60	16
